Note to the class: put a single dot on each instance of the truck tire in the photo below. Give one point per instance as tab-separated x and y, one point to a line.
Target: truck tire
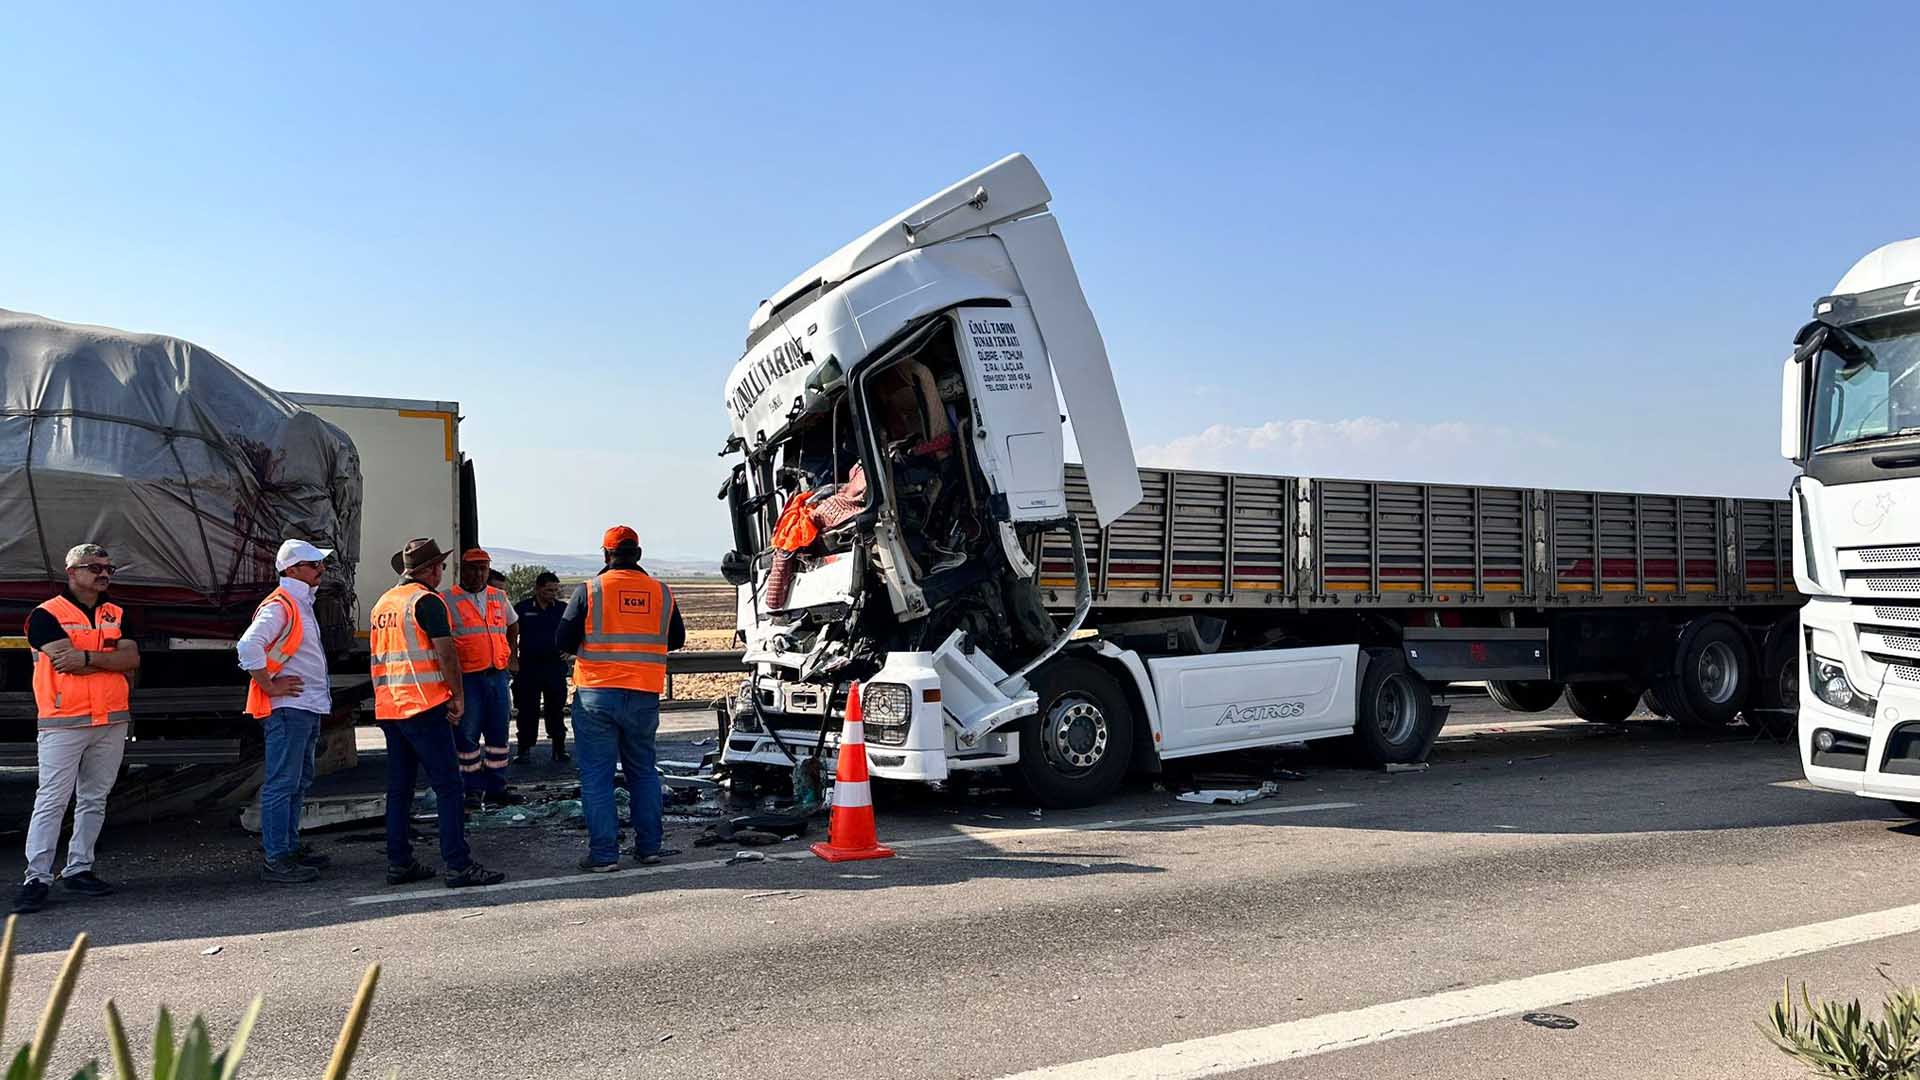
1394	722
1713	674
1075	750
1776	700
1528	695
1603	703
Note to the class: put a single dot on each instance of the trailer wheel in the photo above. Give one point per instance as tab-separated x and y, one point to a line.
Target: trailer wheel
1394	722
1524	695
1713	673
1075	750
1603	703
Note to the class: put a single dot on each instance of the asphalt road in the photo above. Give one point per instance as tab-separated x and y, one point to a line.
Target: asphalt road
998	942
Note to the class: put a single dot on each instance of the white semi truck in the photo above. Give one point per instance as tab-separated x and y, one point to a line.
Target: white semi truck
1850	419
903	516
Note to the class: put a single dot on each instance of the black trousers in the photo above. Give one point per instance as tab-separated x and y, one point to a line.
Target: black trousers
540	691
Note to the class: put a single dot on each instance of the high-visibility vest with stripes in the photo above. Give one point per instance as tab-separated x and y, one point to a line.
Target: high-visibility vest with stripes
625	643
279	650
407	678
479	628
68	701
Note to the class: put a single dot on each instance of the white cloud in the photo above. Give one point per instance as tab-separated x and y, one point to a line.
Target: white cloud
1365	447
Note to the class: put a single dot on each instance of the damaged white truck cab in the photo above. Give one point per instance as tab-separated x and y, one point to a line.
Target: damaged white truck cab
897	409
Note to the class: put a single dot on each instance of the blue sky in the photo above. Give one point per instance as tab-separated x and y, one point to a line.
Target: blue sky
1500	246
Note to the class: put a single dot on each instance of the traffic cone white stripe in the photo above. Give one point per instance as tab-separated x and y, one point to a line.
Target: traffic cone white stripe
853	732
852	793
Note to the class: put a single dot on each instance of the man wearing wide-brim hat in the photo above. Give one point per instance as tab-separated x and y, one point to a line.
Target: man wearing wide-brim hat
418	700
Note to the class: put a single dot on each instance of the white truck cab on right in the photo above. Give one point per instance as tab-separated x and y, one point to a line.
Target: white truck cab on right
1850	419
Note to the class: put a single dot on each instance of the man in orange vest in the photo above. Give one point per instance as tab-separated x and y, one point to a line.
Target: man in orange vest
487	634
619	627
417	700
81	660
286	663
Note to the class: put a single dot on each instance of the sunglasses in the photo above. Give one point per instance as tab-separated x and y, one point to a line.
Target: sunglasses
99	569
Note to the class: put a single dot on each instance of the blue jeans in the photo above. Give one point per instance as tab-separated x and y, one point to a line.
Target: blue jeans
290	738
424	742
483	732
610	726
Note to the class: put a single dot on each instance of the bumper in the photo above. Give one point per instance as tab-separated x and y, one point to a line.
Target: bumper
1875	757
924	750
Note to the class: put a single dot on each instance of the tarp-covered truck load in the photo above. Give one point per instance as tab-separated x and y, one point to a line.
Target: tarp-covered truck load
188	470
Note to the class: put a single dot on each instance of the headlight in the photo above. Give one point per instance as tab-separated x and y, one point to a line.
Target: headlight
884	703
1831	685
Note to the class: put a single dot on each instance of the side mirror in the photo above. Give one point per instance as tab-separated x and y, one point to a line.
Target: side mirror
736	568
1793	409
826	380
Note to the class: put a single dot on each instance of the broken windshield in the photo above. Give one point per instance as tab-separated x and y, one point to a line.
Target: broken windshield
1867	383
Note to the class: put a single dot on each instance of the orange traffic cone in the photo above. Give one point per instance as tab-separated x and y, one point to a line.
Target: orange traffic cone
850	829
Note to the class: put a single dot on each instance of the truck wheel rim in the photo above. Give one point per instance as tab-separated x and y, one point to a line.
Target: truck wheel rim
1719	672
1394	709
1074	737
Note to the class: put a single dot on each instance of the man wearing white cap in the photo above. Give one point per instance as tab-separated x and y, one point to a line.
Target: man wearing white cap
282	654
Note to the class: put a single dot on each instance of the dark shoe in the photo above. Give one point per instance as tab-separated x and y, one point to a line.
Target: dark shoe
524	757
31	898
86	883
588	865
474	874
306	856
560	755
474	801
509	797
653	858
288	872
408	874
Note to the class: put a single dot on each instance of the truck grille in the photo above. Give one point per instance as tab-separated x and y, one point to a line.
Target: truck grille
1877	584
1879	639
1887	556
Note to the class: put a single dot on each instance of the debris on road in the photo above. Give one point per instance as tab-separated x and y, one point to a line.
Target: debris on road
755	830
1551	1021
746	857
1399	767
211	950
1230	796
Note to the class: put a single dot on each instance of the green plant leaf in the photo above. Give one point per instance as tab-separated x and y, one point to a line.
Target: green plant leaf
89	1071
163	1046
118	1046
22	1066
196	1054
230	1057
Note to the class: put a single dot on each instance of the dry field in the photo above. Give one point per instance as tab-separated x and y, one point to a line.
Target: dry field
707	608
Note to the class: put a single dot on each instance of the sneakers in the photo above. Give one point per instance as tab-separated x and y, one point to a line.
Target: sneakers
288	872
653	858
31	898
86	883
589	866
474	874
306	856
408	874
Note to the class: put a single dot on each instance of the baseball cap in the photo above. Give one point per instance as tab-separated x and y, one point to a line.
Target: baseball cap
618	536
475	555
299	551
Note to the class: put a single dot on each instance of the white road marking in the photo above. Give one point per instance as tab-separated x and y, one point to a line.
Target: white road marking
1257	1047
963	837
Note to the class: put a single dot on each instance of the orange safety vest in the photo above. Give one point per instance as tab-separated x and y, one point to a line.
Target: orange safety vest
480	633
407	679
68	701
625	643
279	651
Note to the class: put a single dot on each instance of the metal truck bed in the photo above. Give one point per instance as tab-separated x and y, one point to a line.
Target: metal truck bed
1203	540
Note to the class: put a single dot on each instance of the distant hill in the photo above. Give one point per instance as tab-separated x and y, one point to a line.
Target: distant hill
582	565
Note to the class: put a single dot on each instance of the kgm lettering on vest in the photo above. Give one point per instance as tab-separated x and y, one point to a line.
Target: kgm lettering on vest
636	603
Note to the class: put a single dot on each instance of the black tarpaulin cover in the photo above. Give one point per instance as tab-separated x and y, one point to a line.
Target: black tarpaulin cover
188	470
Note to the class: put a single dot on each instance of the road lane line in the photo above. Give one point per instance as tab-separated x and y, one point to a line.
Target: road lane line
1256	1047
974	836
